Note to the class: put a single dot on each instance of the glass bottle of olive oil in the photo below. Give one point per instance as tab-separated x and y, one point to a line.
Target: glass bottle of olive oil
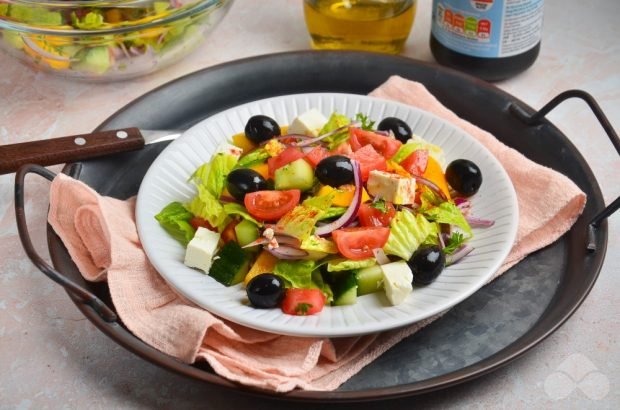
372	25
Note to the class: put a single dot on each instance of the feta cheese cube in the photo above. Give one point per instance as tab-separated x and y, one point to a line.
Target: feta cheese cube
308	123
229	149
397	278
392	187
201	249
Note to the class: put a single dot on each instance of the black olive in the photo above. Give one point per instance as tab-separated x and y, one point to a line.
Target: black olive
243	181
265	290
464	176
335	171
399	128
260	128
426	264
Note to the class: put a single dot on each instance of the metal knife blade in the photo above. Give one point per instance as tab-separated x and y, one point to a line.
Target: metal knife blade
79	147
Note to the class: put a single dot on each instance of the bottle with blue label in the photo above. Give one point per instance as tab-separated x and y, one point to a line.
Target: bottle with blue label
491	39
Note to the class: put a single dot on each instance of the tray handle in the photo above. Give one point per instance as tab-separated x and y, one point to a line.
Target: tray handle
73	288
537	117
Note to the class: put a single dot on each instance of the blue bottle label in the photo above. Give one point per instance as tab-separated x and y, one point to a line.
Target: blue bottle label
488	28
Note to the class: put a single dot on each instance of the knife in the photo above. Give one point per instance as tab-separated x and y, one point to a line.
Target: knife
79	147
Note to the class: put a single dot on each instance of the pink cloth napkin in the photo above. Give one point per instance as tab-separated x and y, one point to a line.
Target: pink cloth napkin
100	235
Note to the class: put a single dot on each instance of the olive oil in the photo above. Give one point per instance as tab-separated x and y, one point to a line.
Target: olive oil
379	25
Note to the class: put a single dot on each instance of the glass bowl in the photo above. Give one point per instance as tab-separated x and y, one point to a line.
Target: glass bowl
105	40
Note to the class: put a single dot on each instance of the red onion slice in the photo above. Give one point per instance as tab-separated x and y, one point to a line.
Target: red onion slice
286	137
432	186
380	256
229	199
329	134
351	212
288	240
459	201
442	242
43	53
459	254
287	252
479	222
259	241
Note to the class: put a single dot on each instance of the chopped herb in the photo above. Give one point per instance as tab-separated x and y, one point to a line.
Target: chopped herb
380	205
366	123
302	308
454	242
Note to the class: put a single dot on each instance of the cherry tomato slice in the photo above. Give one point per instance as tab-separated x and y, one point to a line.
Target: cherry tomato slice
416	163
370	216
316	155
302	302
386	146
197	222
271	205
369	160
358	243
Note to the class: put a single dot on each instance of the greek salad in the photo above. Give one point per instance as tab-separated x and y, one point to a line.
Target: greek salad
94	54
326	210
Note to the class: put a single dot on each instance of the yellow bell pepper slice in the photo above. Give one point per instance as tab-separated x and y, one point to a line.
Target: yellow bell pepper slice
241	141
397	169
435	174
264	264
343	195
53	63
262	169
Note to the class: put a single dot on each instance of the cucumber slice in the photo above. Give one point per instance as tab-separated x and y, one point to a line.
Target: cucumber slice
230	265
345	290
246	232
369	280
295	175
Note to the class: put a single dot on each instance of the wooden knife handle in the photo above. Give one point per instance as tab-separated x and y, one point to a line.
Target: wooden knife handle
69	149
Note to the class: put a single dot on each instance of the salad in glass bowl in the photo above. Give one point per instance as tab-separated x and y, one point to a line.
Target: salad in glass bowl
326	210
108	39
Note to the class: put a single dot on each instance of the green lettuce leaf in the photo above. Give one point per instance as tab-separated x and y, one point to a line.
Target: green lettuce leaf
37	16
333	212
335	121
237	209
92	20
407	232
174	218
316	243
300	221
317	278
449	213
160	6
258	156
338	265
212	175
296	274
429	199
206	206
323	202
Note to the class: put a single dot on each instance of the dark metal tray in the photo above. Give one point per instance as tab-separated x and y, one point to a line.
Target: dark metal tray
493	327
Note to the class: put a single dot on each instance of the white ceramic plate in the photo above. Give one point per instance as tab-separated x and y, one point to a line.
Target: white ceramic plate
166	181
